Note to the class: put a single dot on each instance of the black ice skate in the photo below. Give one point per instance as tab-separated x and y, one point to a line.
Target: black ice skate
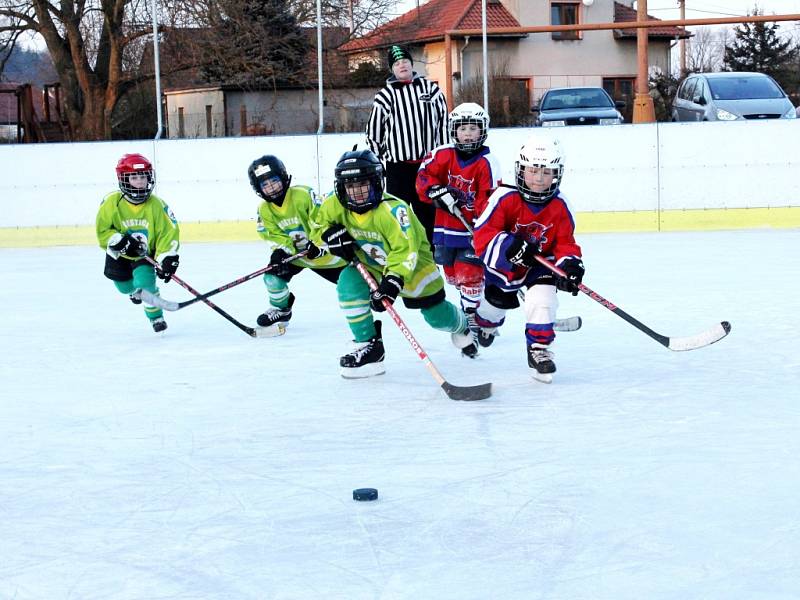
159	324
135	299
540	359
486	336
366	359
471	349
276	315
465	341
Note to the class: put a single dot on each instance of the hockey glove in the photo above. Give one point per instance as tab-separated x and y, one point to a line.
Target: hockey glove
313	251
276	261
340	242
126	245
522	252
388	289
573	267
167	267
442	197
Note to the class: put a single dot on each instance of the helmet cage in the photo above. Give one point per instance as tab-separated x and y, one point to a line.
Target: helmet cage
530	195
466	114
266	168
135	164
359	167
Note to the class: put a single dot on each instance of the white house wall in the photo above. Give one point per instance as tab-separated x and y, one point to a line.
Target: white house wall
194	105
652	167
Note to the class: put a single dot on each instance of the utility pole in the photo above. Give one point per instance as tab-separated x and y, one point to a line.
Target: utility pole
643	109
682	4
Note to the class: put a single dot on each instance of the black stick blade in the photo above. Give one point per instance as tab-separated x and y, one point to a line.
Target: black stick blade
469	392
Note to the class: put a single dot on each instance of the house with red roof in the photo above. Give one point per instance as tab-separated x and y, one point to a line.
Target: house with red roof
530	63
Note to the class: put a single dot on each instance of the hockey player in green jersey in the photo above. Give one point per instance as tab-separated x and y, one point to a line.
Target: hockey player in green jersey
358	221
133	223
283	222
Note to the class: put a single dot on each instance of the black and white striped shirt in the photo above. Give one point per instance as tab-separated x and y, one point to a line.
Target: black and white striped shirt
408	120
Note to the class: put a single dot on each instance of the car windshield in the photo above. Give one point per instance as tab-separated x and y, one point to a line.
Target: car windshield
744	88
577	98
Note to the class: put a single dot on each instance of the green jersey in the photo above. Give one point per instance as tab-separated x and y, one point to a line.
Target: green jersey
390	239
287	226
151	221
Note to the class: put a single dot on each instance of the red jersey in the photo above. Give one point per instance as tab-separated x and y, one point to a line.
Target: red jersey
469	180
508	216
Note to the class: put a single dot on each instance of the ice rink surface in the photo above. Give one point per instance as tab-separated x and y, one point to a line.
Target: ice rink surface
203	464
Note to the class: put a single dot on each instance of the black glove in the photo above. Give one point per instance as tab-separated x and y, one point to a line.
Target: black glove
441	197
279	268
340	242
522	252
573	268
313	251
388	289
127	245
166	269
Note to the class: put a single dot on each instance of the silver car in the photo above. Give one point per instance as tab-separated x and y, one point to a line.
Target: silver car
731	97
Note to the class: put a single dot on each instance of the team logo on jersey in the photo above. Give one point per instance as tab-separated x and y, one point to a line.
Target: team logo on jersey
375	253
401	214
172	218
462	190
533	232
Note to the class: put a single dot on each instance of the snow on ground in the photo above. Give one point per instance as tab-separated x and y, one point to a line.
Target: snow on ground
201	463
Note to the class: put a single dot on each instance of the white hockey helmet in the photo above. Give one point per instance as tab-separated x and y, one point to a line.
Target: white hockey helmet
465	113
544	151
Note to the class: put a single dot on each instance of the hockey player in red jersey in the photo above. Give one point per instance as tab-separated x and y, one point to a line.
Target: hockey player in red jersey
458	179
519	224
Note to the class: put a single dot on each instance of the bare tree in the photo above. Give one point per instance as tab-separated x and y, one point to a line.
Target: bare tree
97	45
705	50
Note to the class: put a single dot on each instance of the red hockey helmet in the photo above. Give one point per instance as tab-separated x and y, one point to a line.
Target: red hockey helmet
138	190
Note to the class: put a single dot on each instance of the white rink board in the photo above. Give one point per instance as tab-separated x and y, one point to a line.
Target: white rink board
730	165
627	168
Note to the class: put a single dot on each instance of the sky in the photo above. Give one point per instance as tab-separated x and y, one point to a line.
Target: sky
201	464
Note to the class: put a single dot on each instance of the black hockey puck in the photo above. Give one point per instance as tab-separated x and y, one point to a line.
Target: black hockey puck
365	494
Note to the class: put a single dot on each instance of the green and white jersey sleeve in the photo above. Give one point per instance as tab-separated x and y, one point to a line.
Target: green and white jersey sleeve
390	239
152	221
287	226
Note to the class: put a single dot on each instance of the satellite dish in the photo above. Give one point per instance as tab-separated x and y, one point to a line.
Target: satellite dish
588	2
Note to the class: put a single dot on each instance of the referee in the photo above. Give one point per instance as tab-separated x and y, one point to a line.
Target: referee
408	120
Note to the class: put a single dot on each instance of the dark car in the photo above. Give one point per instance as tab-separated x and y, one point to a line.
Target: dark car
577	106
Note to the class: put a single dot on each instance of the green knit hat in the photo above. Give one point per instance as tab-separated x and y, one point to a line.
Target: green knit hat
396	53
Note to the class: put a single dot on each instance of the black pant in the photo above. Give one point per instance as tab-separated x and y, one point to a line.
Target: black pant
401	181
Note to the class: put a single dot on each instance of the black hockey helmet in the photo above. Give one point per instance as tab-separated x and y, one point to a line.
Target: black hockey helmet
265	168
358	166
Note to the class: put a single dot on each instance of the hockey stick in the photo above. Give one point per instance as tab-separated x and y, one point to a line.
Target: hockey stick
693	342
568	324
454	392
173	306
251	331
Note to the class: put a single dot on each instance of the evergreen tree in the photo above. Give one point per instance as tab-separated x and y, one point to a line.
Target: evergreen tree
255	43
757	47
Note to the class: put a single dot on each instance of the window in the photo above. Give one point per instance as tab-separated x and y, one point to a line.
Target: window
687	91
565	12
